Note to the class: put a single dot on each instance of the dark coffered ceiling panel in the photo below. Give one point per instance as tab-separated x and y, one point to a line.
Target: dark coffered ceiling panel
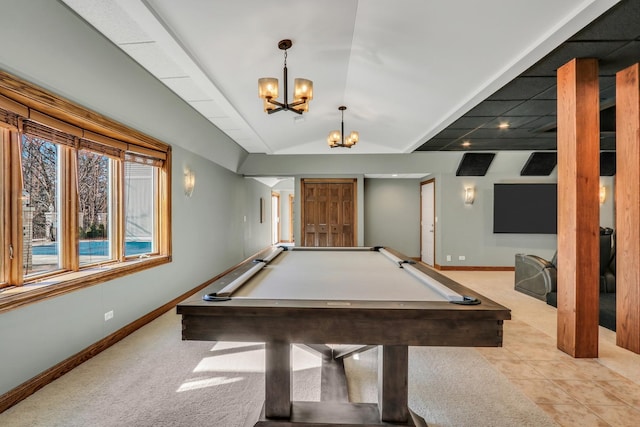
528	103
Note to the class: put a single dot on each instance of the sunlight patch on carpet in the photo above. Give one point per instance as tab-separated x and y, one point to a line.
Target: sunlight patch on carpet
233	357
207	382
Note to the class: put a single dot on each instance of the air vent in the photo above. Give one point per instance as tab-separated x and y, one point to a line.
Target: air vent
540	164
475	164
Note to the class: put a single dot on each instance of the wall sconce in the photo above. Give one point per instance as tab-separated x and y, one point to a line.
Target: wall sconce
603	194
189	182
469	195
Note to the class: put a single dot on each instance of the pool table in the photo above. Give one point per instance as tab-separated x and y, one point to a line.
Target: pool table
343	296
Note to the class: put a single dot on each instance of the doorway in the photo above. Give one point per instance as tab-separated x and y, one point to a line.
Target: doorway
292	238
275	218
427	222
327	212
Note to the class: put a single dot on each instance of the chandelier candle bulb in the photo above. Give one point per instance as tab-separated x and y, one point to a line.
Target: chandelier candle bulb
302	90
268	87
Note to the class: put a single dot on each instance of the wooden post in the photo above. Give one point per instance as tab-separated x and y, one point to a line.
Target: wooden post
578	208
628	208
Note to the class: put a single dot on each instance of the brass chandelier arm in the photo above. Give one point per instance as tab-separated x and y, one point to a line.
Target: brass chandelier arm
285	107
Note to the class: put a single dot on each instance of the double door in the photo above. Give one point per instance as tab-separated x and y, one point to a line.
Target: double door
328	212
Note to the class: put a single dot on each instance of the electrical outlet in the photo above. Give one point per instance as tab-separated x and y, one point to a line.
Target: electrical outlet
108	315
448	257
462	257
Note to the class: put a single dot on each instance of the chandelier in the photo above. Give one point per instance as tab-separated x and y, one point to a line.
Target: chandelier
268	90
336	137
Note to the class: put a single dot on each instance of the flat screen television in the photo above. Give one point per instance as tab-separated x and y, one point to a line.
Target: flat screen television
525	208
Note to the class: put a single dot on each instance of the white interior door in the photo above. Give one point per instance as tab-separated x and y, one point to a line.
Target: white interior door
275	218
427	222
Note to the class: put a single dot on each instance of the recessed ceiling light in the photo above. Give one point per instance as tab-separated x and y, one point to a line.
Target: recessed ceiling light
503	125
466	143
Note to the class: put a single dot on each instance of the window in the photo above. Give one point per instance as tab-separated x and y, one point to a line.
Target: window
95	195
40	206
140	217
78	191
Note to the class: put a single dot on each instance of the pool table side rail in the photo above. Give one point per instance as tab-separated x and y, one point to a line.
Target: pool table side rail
319	326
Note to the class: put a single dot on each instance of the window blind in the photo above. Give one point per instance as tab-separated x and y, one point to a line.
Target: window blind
46	133
8	119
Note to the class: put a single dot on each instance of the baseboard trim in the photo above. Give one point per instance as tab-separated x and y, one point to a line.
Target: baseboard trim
29	387
471	268
464	267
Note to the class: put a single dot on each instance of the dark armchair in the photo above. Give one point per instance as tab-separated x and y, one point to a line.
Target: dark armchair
537	277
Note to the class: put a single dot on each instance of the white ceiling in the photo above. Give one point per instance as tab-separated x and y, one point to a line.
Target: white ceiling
405	68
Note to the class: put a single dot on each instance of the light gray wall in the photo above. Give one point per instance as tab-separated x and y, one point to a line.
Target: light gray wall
607	209
467	230
54	49
209	236
257	234
460	230
50	46
392	214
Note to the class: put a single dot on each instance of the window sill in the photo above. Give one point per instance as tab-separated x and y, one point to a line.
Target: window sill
18	296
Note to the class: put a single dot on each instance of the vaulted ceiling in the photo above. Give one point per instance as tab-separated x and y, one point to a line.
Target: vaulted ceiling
414	74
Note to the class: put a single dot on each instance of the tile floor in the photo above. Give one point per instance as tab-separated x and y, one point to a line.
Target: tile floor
575	392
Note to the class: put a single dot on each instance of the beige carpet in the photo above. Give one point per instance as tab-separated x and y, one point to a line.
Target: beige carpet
152	378
451	387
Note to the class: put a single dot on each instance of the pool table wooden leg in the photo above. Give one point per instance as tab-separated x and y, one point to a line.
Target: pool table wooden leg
393	371
277	402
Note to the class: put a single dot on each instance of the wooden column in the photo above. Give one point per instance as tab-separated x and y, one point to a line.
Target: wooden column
628	208
578	209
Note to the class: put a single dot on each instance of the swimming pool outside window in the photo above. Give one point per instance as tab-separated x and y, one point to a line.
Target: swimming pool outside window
94	208
40	205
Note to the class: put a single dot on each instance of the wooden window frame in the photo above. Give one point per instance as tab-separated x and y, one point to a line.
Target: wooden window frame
25	102
5	228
